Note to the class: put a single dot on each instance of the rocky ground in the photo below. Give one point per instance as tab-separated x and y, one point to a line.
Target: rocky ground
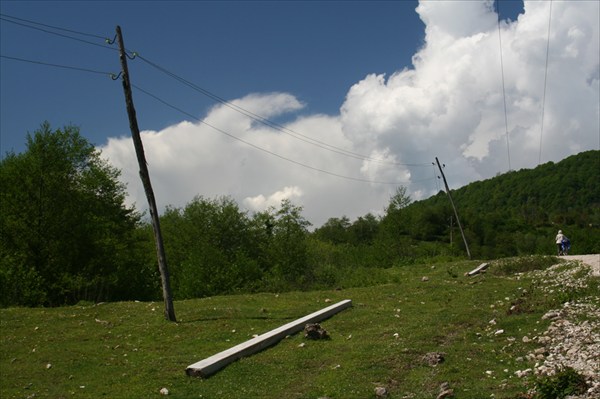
573	337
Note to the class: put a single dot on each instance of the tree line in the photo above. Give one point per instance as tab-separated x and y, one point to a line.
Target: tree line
67	235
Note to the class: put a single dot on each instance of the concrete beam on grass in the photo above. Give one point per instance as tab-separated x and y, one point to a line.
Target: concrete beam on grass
211	365
478	269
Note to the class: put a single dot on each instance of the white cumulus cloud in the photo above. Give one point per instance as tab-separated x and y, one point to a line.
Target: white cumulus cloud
449	104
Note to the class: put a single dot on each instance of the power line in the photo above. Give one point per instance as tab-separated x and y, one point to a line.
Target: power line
51	26
503	86
113	75
43	28
258	147
30	24
272	124
545	81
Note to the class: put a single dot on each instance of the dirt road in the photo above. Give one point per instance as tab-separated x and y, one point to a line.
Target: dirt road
592	260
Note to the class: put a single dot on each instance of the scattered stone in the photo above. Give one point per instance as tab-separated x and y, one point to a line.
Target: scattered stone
551	315
526	339
448	393
544	340
381	392
164	391
573	337
445	391
523	373
498	332
425	278
315	331
433	358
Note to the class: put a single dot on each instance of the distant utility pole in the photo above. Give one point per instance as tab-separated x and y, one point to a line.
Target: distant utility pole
451	228
145	176
453	207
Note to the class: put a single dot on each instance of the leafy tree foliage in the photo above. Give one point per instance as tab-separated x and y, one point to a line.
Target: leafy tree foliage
66	235
289	243
516	213
208	248
335	230
213	247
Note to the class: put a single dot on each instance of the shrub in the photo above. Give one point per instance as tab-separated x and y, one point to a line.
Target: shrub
510	266
564	383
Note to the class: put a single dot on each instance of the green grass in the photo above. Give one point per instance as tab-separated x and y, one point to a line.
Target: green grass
127	350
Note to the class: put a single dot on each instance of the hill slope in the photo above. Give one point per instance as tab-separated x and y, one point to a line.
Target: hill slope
519	212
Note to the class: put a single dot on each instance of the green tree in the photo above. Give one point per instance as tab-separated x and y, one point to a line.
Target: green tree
364	229
289	245
66	234
210	248
393	239
335	230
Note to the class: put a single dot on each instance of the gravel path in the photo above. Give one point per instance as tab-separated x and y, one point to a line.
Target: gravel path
573	337
592	260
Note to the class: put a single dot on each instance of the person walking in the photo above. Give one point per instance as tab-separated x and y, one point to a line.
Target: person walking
560	237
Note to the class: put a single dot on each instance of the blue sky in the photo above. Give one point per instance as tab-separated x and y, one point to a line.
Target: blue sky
315	50
341	72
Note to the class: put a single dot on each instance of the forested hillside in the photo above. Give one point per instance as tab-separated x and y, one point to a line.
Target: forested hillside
520	212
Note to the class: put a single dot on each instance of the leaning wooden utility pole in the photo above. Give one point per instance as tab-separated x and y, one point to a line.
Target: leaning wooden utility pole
145	176
453	207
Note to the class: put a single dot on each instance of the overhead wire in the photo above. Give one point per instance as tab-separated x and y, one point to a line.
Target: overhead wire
42	27
38	26
503	87
258	147
112	75
272	124
545	84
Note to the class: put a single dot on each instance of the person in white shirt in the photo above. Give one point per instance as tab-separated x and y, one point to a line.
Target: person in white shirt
560	237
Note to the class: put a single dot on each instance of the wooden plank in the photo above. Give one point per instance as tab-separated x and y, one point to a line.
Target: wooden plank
478	269
211	365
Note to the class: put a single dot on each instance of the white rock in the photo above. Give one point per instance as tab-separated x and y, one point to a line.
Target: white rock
551	315
164	391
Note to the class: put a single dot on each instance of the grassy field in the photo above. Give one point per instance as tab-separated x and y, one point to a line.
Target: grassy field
128	350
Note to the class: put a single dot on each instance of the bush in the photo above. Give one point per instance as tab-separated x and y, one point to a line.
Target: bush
21	285
510	266
564	383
